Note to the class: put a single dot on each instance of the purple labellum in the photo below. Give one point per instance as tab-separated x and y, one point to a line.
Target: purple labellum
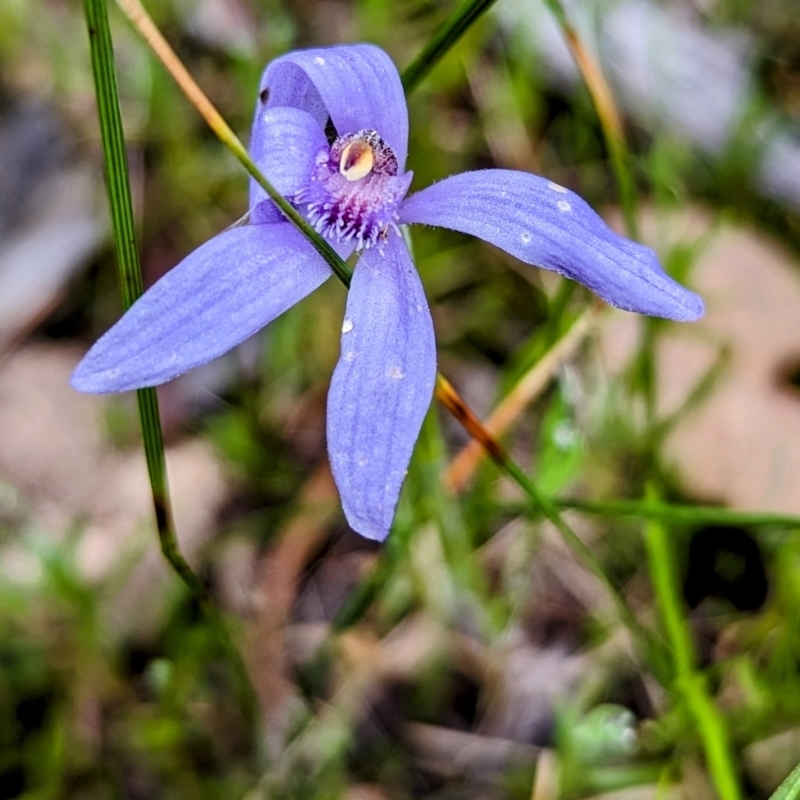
353	193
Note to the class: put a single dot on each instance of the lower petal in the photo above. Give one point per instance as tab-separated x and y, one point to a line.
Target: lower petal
545	224
381	387
217	297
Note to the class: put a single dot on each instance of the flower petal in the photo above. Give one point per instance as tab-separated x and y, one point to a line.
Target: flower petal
265	213
284	143
217	297
542	223
381	387
357	85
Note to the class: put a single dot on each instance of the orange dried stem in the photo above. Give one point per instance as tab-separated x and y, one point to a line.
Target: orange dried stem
142	21
521	396
610	119
456	405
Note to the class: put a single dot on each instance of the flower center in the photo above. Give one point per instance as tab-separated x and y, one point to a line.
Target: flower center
354	192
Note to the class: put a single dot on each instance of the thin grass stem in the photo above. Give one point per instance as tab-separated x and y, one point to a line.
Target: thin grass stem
681	514
610	119
443	40
121	209
689	681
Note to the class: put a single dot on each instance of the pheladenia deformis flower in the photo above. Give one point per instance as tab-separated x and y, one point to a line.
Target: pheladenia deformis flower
353	191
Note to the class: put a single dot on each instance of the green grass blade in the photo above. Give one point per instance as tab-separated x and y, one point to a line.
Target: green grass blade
681	514
790	788
689	681
122	220
452	30
121	207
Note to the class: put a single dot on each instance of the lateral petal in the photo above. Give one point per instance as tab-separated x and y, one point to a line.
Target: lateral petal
284	143
381	387
545	224
356	85
217	297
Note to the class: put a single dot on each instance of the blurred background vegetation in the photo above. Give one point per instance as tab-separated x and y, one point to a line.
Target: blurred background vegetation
473	655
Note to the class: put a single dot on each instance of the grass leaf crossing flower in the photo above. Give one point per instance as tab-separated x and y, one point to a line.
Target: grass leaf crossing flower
353	191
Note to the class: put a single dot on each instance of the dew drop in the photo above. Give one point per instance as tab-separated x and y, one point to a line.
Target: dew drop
526	238
556	188
319	60
563	205
347	326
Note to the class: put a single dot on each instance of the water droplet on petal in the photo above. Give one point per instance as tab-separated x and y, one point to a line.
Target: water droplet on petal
526	238
319	60
556	188
347	326
563	205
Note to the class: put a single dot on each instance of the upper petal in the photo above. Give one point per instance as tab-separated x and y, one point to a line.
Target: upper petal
545	224
381	387
217	297
356	85
284	143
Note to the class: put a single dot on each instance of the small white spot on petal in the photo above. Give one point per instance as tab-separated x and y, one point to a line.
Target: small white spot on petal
419	307
349	355
526	238
556	188
362	462
396	373
347	326
563	205
319	60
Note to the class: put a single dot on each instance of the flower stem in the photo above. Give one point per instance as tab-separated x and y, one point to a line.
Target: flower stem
689	682
121	209
452	30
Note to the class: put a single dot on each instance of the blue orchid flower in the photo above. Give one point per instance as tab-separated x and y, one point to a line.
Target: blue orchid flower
353	192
